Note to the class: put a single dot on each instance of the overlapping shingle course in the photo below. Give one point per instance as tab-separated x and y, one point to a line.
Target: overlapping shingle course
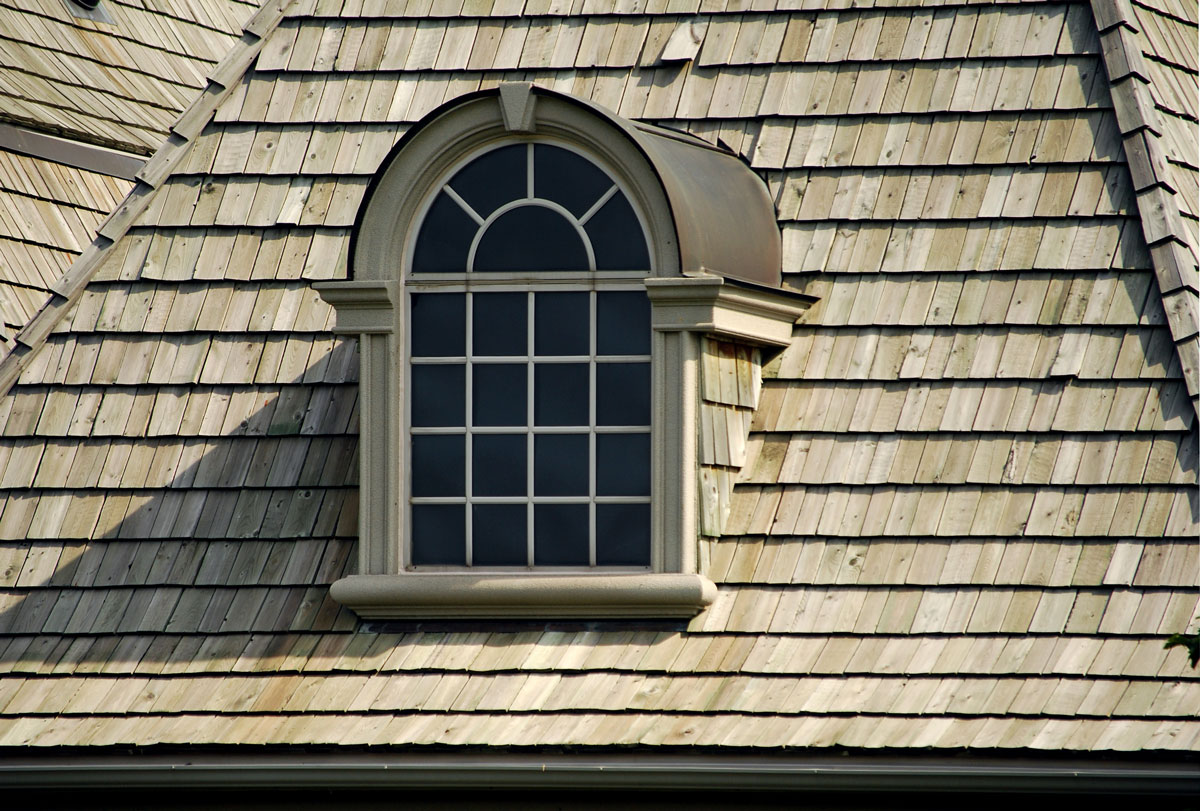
967	511
117	80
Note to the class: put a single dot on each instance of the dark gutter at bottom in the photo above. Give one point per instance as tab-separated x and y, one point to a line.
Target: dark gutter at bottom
648	771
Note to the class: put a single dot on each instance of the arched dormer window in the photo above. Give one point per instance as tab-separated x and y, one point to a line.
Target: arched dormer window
529	373
533	280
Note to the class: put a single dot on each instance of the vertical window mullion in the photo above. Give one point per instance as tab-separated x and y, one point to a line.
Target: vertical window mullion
530	315
529	184
592	329
469	450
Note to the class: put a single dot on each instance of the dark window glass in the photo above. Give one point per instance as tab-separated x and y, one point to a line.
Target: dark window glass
560	534
498	394
568	179
560	324
444	239
560	394
438	394
532	238
616	237
439	534
498	535
622	393
493	179
622	534
560	465
498	464
623	323
438	467
622	464
438	324
498	324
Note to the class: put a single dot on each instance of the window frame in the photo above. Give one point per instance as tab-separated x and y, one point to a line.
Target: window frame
684	308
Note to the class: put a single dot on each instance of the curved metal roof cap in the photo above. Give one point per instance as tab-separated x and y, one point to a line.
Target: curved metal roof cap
724	216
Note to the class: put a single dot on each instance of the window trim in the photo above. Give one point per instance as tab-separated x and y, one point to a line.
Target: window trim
683	309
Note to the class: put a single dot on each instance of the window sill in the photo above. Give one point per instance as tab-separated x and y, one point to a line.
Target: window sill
505	596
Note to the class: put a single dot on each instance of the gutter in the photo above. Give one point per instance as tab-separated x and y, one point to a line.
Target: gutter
647	771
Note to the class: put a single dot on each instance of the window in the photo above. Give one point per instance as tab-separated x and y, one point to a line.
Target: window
529	373
531	280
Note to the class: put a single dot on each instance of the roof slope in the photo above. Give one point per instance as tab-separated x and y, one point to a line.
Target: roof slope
968	514
1151	59
119	84
116	84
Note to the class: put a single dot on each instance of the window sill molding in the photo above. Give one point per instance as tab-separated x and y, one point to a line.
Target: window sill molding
452	595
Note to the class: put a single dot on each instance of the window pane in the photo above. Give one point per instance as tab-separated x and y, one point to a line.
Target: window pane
560	394
498	535
498	465
438	465
622	464
623	394
530	238
616	237
560	324
568	179
498	394
438	325
560	534
498	324
438	394
560	465
623	323
622	534
444	239
439	534
492	179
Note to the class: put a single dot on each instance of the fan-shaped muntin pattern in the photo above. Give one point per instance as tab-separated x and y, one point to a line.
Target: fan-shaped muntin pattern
529	207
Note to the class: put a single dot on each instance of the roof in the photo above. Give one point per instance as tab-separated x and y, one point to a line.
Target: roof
85	98
964	517
1152	64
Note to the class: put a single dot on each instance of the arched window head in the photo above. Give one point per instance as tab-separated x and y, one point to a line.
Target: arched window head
529	207
532	279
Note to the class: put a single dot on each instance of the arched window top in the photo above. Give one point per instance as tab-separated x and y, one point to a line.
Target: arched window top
699	210
529	207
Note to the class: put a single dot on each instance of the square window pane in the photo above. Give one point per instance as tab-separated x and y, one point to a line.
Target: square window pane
498	324
622	534
623	323
623	394
438	325
498	464
439	535
560	466
498	535
438	394
560	394
498	394
560	533
561	324
438	465
622	464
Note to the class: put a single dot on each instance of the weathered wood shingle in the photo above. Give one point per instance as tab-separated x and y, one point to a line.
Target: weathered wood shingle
959	511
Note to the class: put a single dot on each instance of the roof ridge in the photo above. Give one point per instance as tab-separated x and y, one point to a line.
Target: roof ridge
1175	265
69	287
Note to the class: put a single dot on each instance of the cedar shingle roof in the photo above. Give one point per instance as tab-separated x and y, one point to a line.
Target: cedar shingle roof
118	84
967	514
